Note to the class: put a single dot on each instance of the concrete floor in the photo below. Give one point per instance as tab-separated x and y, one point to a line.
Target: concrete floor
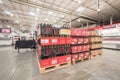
23	66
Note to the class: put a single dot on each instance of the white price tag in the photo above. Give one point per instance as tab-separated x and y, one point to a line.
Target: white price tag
44	41
68	58
54	40
54	61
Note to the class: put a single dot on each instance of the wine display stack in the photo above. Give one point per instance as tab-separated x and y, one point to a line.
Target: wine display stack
60	47
54	47
95	44
80	45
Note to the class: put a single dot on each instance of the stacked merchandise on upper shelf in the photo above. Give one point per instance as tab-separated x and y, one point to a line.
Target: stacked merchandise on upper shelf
80	45
95	44
54	47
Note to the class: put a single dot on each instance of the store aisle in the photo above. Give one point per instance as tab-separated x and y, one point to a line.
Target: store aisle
23	66
14	66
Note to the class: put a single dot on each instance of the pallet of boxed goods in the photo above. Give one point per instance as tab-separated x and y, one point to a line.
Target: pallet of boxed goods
95	44
51	64
54	48
95	53
80	45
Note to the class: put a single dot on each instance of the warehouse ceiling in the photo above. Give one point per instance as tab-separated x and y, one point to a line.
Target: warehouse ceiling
28	13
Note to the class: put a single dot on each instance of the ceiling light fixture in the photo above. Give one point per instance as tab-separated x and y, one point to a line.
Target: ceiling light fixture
46	19
62	16
32	13
50	12
38	9
98	10
20	25
54	21
78	1
1	2
8	26
78	20
79	9
16	22
36	18
8	13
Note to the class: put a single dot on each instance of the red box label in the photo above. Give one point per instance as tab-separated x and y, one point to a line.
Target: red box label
61	59
68	40
45	41
80	40
61	40
54	41
74	56
86	40
79	48
80	55
74	32
45	63
74	41
74	49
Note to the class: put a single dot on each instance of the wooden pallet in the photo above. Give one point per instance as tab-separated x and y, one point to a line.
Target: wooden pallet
76	61
95	55
87	58
54	67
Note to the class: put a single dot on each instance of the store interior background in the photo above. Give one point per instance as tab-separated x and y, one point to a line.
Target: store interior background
23	16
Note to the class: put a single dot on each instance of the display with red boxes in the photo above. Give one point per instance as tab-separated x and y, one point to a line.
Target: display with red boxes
59	48
80	44
54	47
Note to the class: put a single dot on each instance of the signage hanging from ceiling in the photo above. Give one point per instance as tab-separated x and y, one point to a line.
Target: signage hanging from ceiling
5	30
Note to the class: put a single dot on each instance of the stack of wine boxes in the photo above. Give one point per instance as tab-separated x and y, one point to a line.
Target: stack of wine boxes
54	48
60	47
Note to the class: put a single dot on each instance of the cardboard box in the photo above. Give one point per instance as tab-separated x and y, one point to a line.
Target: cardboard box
68	40
61	41
74	40
45	41
86	40
75	56
54	40
74	49
45	63
74	32
65	32
80	55
79	48
80	40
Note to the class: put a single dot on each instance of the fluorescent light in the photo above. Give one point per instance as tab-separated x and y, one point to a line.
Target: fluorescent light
78	1
46	19
36	18
8	26
78	20
1	2
98	10
54	21
16	22
38	9
79	9
62	16
50	12
32	13
8	13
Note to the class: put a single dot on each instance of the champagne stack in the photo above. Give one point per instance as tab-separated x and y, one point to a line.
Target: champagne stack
54	47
